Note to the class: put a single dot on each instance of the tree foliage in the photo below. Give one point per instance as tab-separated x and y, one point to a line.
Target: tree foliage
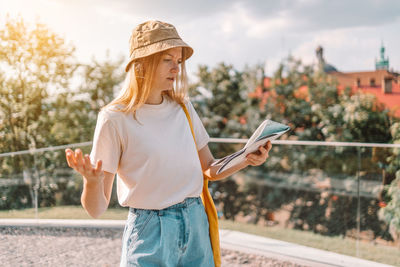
39	106
221	99
310	102
33	61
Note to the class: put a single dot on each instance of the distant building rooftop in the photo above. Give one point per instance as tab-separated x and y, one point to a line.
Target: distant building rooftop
382	83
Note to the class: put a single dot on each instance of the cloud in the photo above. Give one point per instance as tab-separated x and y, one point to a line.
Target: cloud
346	49
176	10
240	19
311	15
236	32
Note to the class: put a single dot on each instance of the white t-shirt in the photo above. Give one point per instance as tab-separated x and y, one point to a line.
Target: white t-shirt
155	159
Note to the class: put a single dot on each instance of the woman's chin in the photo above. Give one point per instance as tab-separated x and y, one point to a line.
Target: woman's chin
168	88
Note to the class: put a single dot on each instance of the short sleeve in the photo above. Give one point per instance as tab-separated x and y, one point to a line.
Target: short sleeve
106	144
202	137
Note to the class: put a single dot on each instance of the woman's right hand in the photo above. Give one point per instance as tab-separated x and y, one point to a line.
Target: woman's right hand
83	165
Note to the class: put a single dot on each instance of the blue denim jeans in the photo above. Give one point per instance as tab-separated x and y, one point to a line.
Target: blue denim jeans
175	236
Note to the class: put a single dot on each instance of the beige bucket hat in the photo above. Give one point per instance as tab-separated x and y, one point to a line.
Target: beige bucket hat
152	37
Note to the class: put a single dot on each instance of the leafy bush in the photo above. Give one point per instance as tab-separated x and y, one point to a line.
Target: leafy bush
15	197
391	213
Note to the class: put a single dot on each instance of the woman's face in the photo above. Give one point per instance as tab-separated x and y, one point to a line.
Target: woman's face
168	69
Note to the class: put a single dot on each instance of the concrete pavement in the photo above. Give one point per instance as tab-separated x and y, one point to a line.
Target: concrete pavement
232	240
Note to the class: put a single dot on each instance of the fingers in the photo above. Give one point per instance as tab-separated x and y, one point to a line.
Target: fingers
263	155
77	155
77	161
70	158
254	159
99	164
268	146
88	165
82	164
259	157
265	149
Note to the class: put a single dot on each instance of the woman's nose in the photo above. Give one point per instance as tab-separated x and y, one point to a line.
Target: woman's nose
175	67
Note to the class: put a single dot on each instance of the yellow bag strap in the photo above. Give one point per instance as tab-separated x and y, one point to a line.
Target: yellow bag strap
209	206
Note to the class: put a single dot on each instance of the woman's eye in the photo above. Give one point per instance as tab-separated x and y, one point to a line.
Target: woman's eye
168	60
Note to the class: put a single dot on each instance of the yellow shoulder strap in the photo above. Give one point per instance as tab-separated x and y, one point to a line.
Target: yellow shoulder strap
209	206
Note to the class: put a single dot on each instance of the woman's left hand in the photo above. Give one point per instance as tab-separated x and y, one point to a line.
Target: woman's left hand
259	157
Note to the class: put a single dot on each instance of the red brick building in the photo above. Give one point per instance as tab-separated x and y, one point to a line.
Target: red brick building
381	82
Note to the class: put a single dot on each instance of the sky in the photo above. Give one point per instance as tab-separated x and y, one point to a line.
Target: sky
236	32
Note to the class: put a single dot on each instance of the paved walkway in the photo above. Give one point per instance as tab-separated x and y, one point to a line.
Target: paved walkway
231	240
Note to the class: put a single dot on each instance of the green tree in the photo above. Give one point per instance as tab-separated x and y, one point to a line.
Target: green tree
74	115
102	80
39	107
34	61
317	110
74	112
221	99
391	213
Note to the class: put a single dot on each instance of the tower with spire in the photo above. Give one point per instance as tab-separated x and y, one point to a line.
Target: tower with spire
322	64
381	82
382	63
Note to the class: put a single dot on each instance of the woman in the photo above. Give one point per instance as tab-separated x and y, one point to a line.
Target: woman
144	136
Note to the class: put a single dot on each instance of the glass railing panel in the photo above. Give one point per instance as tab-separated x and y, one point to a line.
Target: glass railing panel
322	196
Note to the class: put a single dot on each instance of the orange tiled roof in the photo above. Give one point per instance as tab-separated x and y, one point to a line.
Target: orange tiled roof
390	100
371	82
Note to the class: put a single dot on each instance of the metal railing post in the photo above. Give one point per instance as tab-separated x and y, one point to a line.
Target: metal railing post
358	202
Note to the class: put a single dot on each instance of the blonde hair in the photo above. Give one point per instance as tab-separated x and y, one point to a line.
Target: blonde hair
139	81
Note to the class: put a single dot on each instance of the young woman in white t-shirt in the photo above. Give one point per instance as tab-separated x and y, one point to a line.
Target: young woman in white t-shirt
144	137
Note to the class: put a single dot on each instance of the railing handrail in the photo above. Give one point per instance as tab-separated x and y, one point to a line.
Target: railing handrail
308	143
44	149
219	140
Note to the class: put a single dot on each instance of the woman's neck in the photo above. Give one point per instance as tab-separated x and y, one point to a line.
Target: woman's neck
155	99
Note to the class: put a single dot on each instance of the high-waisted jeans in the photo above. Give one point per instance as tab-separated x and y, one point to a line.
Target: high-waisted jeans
175	236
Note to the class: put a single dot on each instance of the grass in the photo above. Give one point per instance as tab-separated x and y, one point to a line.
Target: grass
64	212
347	246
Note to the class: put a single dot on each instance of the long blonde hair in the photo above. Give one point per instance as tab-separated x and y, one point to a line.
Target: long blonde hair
138	83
